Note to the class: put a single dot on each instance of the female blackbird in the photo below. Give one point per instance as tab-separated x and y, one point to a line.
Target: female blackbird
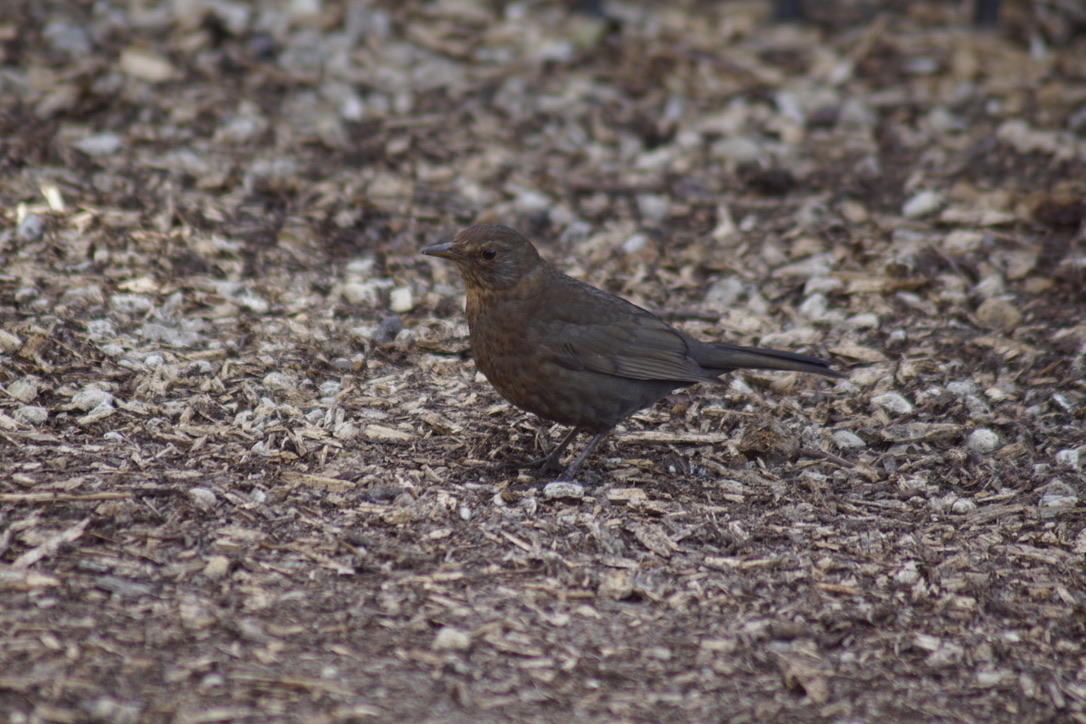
575	354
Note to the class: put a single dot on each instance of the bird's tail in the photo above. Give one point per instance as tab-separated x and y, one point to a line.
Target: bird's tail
725	357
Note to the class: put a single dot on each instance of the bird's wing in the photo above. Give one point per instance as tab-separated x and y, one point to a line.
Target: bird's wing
625	341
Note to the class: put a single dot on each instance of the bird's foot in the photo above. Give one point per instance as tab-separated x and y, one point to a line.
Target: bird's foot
548	463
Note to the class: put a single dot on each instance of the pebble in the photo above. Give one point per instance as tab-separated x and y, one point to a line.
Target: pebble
561	489
24	389
99	330
89	293
203	497
1059	494
449	638
990	286
724	293
960	388
635	243
922	204
738	150
401	300
86	400
279	381
99	144
652	207
908	574
1069	458
67	37
893	402
217	567
864	320
529	200
977	408
277	174
31	414
172	337
131	304
25	295
848	440
387	329
30	229
359	294
962	241
963	505
345	431
814	307
856	115
998	313
982	441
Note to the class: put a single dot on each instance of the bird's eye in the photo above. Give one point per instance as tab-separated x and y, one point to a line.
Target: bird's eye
489	254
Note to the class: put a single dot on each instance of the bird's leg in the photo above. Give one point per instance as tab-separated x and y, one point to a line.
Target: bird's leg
550	460
576	464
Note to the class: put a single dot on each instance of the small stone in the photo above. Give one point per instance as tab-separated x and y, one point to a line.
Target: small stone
908	574
529	201
146	65
1069	458
203	498
449	638
345	431
106	708
24	389
135	304
1059	494
982	441
279	381
401	300
893	403
30	228
814	307
31	415
848	440
823	285
977	408
67	37
963	505
738	150
998	313
724	292
962	241
922	204
9	343
89	399
99	144
856	115
560	489
217	567
652	207
616	585
387	329
864	320
360	294
960	388
635	243
990	286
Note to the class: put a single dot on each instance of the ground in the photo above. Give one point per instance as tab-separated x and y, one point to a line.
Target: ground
249	472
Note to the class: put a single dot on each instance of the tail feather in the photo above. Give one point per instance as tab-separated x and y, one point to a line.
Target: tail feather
725	357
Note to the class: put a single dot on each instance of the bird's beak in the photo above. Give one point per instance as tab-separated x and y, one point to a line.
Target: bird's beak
445	251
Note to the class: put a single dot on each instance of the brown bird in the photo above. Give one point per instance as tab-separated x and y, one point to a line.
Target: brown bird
572	353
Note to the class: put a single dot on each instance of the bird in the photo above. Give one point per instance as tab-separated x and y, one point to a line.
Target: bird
574	354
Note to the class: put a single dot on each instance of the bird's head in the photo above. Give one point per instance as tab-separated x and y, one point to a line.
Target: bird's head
490	257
